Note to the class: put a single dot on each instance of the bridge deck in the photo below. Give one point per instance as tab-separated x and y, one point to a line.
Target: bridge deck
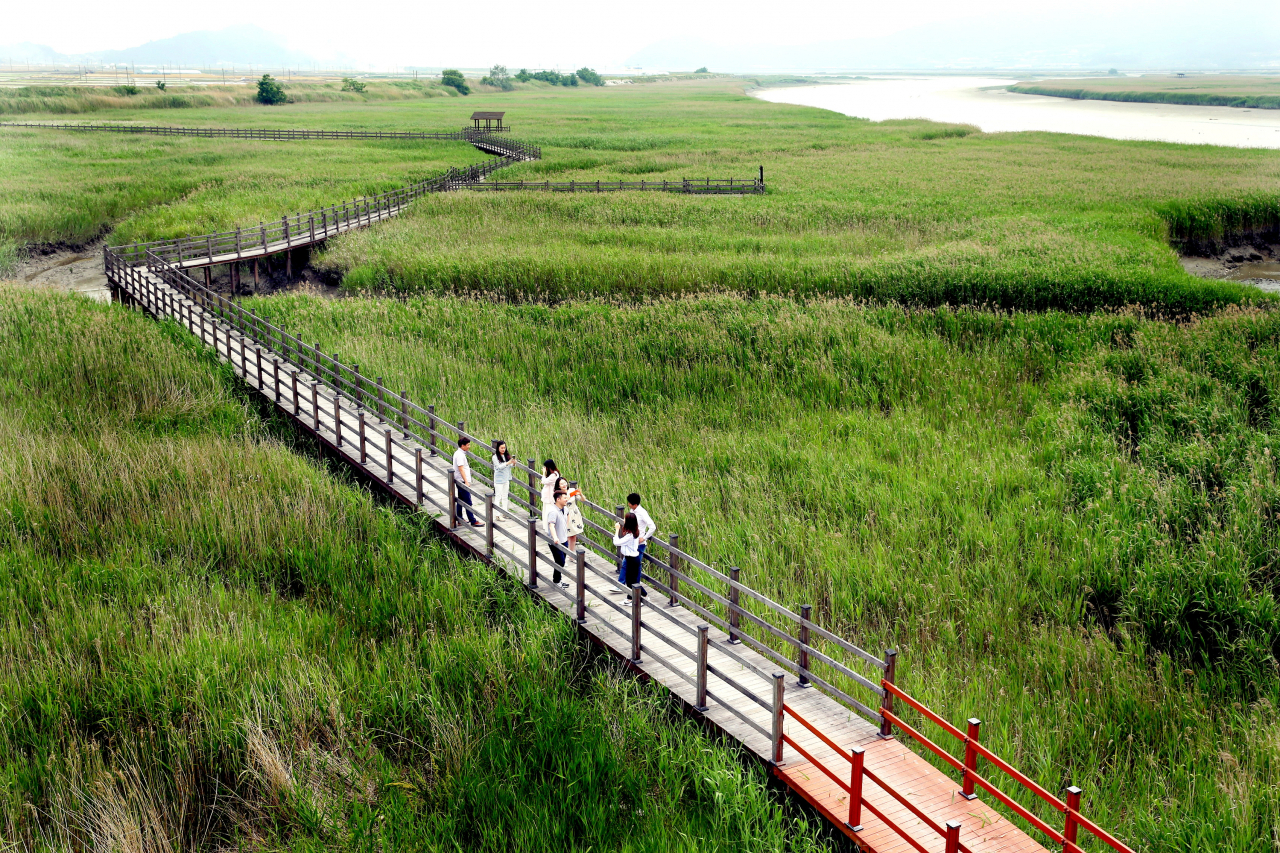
669	633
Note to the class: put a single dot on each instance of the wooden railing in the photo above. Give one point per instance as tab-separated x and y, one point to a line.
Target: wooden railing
969	776
280	135
748	618
304	229
692	186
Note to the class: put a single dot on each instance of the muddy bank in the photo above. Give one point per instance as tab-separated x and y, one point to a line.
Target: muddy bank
1257	264
80	270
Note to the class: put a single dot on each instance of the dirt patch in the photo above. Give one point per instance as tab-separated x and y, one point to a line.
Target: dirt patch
1257	264
79	270
69	270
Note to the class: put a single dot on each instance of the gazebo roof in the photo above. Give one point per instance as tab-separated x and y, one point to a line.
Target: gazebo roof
483	116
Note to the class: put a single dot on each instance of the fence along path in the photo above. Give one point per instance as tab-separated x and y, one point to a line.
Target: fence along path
724	649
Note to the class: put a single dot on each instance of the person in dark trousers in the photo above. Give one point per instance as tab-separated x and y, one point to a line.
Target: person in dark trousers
647	528
558	526
462	482
627	537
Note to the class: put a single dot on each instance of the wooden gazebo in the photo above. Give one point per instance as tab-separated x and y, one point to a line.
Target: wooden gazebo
492	121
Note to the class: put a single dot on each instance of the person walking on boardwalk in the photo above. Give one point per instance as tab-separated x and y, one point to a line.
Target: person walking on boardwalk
647	528
503	462
627	537
550	473
462	482
558	526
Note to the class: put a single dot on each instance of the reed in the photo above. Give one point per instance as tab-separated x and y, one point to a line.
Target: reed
209	640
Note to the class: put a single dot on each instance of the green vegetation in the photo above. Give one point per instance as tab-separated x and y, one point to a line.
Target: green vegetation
500	78
71	188
65	100
1219	90
160	84
210	641
1065	522
351	84
454	80
952	388
270	92
587	75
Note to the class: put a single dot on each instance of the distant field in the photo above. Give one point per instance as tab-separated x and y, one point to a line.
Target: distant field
906	210
1213	90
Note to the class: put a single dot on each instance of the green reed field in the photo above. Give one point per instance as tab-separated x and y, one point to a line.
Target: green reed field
211	641
1066	523
909	210
951	388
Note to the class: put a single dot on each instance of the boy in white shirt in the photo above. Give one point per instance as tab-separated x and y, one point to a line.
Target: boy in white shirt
462	482
558	527
647	529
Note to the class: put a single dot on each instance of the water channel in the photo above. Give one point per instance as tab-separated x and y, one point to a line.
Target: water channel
983	101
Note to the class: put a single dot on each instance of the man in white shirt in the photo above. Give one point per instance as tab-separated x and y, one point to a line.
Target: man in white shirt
462	481
647	529
558	527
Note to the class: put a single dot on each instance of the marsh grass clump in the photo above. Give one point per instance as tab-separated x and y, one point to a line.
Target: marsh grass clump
208	640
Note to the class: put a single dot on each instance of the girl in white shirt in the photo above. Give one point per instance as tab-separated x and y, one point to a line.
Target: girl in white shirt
502	465
627	537
550	473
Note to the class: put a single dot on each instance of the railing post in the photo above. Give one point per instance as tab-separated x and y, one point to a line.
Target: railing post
293	383
1073	808
363	456
953	836
315	405
581	556
391	475
673	566
700	703
337	417
855	789
802	654
886	704
453	500
275	379
970	758
488	522
417	464
431	428
404	415
636	596
734	639
533	552
779	687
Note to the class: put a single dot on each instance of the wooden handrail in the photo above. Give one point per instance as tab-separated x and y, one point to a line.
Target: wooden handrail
1001	765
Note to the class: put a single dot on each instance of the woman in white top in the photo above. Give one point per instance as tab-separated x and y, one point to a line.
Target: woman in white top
627	538
502	465
550	473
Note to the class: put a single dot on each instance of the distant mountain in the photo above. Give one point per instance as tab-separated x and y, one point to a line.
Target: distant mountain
239	45
1029	41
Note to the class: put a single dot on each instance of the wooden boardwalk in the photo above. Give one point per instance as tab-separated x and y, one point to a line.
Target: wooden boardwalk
819	710
737	684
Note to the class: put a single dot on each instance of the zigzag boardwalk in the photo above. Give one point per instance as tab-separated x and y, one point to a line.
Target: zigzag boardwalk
723	649
709	639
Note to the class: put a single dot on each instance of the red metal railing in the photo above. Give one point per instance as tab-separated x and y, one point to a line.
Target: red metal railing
1070	808
857	802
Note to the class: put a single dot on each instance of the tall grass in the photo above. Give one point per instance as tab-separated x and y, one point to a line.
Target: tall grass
1064	522
208	641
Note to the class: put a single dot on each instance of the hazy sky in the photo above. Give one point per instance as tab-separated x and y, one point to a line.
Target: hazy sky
565	32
